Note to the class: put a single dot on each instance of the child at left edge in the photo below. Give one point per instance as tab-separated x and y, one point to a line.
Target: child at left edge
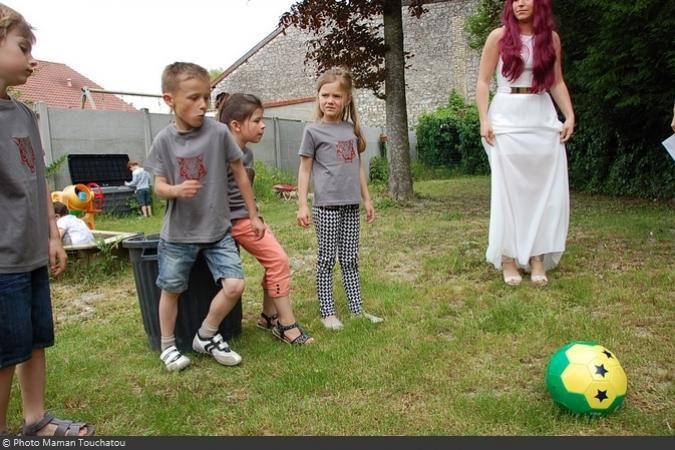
30	244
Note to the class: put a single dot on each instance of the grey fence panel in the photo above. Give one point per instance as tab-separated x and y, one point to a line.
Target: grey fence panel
81	131
290	138
95	132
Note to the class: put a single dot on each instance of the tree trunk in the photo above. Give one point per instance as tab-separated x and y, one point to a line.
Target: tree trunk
398	145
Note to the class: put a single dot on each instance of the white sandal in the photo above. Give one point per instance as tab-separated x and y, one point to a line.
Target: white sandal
538	279
511	280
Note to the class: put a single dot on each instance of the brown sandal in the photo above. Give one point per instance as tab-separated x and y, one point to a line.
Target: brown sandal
280	331
63	427
270	321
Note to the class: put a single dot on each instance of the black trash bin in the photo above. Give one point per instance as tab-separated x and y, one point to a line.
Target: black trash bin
193	304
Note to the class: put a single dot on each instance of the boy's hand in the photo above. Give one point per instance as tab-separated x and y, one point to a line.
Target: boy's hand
303	216
370	212
188	189
57	256
258	227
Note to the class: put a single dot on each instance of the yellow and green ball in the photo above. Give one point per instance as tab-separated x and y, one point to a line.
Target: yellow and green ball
586	378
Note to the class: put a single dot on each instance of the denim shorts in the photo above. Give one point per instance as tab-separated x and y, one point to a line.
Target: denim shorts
25	315
176	260
143	196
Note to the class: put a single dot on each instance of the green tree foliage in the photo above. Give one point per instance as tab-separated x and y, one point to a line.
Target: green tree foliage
215	73
450	137
346	33
485	20
619	65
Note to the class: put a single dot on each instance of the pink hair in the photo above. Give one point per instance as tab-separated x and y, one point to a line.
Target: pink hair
510	45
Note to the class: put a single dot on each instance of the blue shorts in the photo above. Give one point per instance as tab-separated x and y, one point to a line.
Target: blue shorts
143	196
25	315
176	260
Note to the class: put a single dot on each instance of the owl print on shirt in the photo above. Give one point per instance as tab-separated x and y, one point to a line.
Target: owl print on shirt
346	150
26	152
192	168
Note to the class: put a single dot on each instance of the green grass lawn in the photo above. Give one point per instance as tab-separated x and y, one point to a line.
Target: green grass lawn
459	353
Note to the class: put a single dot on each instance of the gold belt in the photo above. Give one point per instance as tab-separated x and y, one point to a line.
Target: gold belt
521	90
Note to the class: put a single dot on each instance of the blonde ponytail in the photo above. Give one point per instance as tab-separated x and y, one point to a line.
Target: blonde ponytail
357	126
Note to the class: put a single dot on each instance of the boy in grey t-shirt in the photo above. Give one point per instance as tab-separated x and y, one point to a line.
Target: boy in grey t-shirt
189	160
30	244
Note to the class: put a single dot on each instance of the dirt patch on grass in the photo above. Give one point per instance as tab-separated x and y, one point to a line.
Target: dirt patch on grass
72	302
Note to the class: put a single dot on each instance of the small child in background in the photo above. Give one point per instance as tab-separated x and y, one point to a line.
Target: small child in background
73	230
243	114
331	152
141	182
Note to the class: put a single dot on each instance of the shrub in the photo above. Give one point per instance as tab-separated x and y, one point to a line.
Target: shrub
379	170
450	137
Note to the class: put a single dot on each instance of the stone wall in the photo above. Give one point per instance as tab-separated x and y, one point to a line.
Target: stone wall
442	61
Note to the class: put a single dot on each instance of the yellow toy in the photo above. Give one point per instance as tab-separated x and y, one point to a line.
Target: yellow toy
81	200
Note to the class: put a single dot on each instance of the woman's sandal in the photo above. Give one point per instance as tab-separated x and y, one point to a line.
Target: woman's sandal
270	321
280	331
63	427
510	278
538	279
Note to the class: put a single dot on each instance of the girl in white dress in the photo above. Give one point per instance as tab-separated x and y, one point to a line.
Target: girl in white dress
525	141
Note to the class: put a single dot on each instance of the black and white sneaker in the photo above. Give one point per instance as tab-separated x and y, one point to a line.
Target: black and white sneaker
218	348
173	359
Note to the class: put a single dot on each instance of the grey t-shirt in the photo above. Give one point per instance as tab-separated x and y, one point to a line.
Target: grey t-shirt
237	205
24	240
336	167
200	154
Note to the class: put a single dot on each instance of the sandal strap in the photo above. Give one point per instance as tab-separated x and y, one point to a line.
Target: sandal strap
63	427
67	428
268	319
282	328
304	337
31	430
300	339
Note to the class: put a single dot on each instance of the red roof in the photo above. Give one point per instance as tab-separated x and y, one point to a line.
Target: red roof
59	86
286	102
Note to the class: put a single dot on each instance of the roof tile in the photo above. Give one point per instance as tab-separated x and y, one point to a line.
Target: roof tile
59	86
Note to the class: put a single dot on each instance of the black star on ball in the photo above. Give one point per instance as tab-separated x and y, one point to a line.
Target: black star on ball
607	353
600	370
602	395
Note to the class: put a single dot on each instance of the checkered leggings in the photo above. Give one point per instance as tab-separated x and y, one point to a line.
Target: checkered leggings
337	231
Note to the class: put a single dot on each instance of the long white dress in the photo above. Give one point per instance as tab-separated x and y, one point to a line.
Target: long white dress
529	207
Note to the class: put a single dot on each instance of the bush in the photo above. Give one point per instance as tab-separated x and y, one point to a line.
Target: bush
265	178
620	78
379	170
450	138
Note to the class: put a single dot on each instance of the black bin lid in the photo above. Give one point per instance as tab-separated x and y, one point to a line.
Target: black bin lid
105	170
